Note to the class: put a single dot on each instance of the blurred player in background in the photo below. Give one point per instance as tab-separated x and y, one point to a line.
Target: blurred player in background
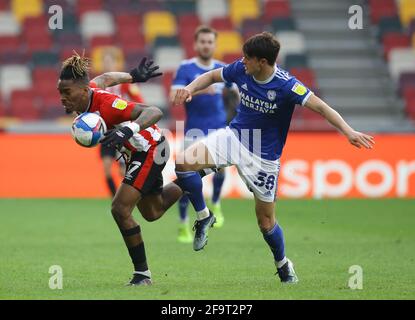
206	111
268	97
129	91
131	128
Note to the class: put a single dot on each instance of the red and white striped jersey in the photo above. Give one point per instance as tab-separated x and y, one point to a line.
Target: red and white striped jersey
116	113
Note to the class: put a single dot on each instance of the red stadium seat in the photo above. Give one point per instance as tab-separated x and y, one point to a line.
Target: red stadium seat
382	8
231	57
98	41
276	9
90	5
409	93
4	5
222	23
305	75
410	108
23	105
9	44
187	25
394	40
3	110
36	34
167	80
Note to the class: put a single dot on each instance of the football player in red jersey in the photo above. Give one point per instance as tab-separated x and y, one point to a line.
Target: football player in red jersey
128	91
132	127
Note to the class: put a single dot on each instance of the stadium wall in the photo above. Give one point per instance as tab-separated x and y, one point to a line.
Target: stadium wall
313	166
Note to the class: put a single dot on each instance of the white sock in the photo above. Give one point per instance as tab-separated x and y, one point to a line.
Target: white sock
203	214
146	273
279	264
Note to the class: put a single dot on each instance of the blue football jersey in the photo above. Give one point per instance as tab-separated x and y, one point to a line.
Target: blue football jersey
205	111
266	105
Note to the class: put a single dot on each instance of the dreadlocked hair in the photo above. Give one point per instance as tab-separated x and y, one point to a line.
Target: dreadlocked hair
76	68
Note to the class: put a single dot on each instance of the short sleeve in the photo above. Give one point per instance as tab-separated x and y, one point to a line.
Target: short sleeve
115	110
296	92
181	79
231	72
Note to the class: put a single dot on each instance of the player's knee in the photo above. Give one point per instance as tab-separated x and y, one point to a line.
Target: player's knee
120	211
265	224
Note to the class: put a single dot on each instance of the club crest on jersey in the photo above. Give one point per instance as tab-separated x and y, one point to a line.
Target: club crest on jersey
299	89
119	104
271	94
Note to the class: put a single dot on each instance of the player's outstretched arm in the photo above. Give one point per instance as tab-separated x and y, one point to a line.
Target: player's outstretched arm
142	117
356	138
200	83
142	73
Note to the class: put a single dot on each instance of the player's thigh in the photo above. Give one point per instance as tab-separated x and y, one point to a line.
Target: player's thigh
194	158
125	200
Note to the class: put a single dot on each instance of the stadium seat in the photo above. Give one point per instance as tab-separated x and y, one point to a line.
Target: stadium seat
167	79
243	9
410	108
306	76
14	77
293	43
98	54
228	42
70	25
296	60
187	25
154	94
283	24
23	9
382	8
208	9
169	58
276	9
45	58
96	23
99	41
8	24
251	27
9	44
83	7
389	24
68	40
4	5
159	23
406	80
401	60
23	105
118	6
222	24
132	58
36	34
163	41
394	40
14	57
231	57
179	7
406	11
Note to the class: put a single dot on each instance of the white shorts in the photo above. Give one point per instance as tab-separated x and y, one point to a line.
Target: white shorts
260	175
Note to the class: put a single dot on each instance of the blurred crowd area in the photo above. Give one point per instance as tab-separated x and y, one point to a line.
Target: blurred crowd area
367	74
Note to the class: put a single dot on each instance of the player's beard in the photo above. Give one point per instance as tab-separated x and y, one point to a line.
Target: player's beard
205	57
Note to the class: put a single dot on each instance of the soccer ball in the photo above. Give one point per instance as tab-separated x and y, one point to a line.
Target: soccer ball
88	129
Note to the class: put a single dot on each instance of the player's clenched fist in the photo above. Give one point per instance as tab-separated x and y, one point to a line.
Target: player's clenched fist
182	95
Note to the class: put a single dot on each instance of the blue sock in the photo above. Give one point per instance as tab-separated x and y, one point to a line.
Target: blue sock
218	179
191	182
183	204
275	240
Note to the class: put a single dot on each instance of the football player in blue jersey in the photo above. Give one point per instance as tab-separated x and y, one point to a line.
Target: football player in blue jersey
255	138
206	111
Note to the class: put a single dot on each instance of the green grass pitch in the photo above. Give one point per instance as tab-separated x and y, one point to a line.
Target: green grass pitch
323	238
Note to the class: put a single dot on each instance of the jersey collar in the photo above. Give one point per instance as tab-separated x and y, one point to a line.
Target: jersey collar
202	66
267	80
